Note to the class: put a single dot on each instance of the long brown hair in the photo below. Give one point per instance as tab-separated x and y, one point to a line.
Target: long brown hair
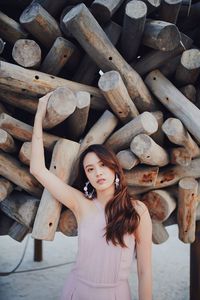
121	216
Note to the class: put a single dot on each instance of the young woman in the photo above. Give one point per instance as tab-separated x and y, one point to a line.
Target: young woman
111	225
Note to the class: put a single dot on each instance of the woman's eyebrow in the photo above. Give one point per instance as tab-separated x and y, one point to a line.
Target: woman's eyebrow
91	165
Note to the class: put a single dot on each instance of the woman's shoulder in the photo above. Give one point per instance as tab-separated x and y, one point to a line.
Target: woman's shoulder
139	206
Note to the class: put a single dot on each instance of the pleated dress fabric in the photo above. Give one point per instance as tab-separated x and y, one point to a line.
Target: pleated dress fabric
101	270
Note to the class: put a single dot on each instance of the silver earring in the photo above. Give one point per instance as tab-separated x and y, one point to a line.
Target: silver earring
86	192
116	181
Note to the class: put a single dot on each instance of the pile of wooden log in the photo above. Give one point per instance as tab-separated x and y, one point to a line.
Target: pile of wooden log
124	74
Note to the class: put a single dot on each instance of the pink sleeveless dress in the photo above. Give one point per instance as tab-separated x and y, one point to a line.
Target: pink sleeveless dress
101	271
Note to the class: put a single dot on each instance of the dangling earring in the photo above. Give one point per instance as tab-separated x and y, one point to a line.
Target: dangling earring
116	181
87	194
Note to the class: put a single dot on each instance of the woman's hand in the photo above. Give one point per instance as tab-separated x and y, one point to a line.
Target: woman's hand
42	105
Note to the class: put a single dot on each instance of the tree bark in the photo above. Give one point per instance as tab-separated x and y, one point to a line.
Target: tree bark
127	159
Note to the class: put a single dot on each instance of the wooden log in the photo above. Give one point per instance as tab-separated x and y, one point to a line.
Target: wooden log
21	207
5	223
87	70
189	68
169	67
58	55
189	91
152	5
148	151
180	156
10	30
121	139
64	156
67	223
25	153
178	135
127	159
35	83
100	131
7	143
53	7
26	103
142	176
66	32
83	26
2	44
169	10
23	131
176	102
78	120
156	58
161	35
132	30
116	94
11	169
160	204
158	136
18	231
27	53
6	187
159	233
40	24
104	10
3	109
187	202
61	104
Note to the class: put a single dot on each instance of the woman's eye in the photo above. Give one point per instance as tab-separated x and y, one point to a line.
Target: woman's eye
89	170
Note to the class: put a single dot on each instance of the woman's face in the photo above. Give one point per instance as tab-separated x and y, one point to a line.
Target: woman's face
100	176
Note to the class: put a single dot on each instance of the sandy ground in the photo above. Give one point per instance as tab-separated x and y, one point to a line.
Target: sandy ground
170	269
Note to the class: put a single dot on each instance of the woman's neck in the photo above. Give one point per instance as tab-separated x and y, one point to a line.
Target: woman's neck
105	195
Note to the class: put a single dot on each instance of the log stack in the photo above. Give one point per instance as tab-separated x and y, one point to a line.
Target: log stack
124	74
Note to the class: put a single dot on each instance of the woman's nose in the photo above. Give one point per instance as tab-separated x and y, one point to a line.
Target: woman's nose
98	171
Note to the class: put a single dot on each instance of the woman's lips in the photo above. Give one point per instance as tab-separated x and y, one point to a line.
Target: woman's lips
101	181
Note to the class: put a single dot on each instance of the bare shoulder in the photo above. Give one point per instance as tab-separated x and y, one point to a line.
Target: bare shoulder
139	206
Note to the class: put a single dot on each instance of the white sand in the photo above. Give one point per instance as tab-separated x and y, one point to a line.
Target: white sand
170	269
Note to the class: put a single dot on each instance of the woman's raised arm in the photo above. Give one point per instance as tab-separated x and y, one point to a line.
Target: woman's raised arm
61	191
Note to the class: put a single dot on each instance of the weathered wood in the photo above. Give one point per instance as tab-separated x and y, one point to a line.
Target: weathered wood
67	223
10	30
63	159
40	24
6	187
35	83
189	91
161	35
77	121
180	156
61	104
27	53
159	233
187	202
116	94
7	143
104	10
2	44
121	139
127	159
58	55
169	67
21	207
100	131
132	30
87	70
18	231
178	135
142	176
158	136
23	131
160	204
92	38
53	7
25	153
148	151
23	102
152	5
169	10
175	101
189	68
11	169
156	58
